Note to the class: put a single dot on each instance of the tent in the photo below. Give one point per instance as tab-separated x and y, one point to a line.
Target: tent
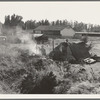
79	50
71	52
59	53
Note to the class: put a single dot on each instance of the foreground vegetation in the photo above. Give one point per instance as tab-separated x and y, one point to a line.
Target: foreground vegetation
22	73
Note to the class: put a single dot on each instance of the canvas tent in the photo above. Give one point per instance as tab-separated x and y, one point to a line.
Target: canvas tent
71	52
79	50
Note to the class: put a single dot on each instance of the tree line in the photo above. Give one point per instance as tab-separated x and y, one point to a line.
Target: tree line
17	20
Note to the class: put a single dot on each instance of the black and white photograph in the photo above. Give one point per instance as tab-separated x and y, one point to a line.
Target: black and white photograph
50	47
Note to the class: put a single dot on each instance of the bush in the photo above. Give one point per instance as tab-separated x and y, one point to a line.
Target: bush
32	84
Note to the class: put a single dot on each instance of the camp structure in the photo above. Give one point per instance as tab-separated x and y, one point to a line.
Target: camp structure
73	52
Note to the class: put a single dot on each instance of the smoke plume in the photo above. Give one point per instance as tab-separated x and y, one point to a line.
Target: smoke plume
29	43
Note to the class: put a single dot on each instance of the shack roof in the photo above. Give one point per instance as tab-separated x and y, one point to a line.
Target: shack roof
87	32
51	28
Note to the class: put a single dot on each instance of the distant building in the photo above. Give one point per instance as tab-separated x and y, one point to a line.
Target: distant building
55	31
90	34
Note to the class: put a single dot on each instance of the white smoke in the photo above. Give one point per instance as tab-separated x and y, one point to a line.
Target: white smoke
29	43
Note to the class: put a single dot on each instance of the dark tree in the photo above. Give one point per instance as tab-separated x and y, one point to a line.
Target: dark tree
30	24
7	20
13	20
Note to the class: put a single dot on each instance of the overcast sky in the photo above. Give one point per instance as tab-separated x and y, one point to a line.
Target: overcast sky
88	12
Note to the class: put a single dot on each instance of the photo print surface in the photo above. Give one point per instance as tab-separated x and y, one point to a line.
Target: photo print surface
50	47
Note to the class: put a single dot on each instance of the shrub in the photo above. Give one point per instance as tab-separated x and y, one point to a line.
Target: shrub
32	84
63	87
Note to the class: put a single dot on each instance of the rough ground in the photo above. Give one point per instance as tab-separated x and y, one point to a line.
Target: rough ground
11	49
